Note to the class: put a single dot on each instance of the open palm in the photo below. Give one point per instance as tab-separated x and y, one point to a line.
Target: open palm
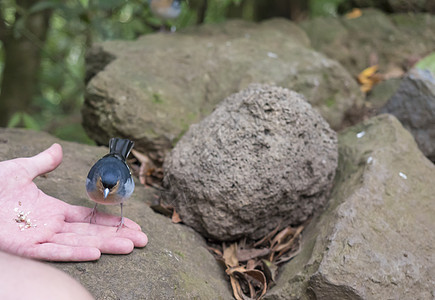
36	225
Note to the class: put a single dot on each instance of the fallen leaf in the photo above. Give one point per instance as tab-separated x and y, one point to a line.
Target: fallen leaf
260	279
284	241
286	245
247	254
251	264
268	237
394	72
175	217
140	156
355	13
368	78
216	251
230	255
289	255
250	274
148	173
237	289
270	270
282	235
142	173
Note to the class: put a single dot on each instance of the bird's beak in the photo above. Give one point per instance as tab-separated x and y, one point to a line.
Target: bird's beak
106	192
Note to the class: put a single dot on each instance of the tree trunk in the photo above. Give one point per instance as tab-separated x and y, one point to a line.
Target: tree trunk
22	59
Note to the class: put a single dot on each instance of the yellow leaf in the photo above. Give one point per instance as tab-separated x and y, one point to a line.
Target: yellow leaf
355	13
368	78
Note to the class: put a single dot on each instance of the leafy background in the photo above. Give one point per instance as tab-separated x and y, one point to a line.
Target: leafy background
52	100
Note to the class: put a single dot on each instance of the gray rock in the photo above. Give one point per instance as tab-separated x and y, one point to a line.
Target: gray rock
382	92
414	105
264	157
394	41
376	239
174	265
157	86
409	6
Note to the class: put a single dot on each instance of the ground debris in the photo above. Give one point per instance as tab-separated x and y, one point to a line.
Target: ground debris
252	266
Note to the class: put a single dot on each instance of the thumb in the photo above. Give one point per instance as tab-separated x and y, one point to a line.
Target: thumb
44	162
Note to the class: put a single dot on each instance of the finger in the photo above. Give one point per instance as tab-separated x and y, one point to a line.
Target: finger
55	252
80	214
44	162
138	238
111	245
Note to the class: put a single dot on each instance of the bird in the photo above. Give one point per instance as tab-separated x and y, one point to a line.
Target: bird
109	181
165	9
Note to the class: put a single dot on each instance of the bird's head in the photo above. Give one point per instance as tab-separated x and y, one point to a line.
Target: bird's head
108	183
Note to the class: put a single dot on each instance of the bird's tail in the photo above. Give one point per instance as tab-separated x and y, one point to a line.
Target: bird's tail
120	147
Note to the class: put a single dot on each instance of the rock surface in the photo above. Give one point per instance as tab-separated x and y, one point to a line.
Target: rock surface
414	105
409	6
393	41
174	265
152	89
264	157
376	240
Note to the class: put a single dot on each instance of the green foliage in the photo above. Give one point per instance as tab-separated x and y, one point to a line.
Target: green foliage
23	118
428	63
322	8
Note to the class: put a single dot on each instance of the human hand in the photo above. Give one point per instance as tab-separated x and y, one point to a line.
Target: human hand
52	229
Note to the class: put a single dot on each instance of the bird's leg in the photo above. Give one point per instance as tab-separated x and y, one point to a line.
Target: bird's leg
121	224
93	214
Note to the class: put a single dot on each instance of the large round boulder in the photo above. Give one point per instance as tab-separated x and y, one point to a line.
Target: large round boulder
264	157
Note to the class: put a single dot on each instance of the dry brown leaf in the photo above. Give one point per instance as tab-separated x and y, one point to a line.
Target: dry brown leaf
355	13
142	173
394	72
230	256
259	277
175	217
251	264
283	246
236	269
237	289
216	251
289	255
140	156
148	173
268	237
282	235
247	254
270	270
249	274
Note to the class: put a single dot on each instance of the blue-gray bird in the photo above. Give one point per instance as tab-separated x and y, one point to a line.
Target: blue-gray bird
165	9
109	181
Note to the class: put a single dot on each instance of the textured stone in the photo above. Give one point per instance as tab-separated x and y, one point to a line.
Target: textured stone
376	239
393	41
264	157
408	6
174	265
152	89
414	105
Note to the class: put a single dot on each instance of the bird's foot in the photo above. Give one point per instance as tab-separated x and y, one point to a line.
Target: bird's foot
121	224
